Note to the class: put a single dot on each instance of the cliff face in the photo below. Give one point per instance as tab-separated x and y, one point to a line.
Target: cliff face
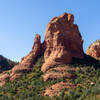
63	42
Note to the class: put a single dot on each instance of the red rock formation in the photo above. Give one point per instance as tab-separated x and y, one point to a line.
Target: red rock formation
26	63
29	59
94	50
63	41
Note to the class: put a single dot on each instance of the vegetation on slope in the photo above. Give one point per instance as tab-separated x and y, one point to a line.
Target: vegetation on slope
6	64
31	86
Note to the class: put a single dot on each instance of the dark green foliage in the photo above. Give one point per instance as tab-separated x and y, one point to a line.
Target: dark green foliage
86	61
6	64
28	87
31	86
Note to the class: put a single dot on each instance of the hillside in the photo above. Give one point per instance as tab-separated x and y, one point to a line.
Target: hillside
57	69
6	64
31	86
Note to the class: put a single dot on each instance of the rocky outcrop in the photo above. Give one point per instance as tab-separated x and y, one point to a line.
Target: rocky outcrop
4	77
29	59
26	63
56	88
94	50
63	41
60	72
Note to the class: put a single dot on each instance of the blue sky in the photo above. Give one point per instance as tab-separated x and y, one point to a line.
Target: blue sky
20	20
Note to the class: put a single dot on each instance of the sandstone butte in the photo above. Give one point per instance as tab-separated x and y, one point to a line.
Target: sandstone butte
62	43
